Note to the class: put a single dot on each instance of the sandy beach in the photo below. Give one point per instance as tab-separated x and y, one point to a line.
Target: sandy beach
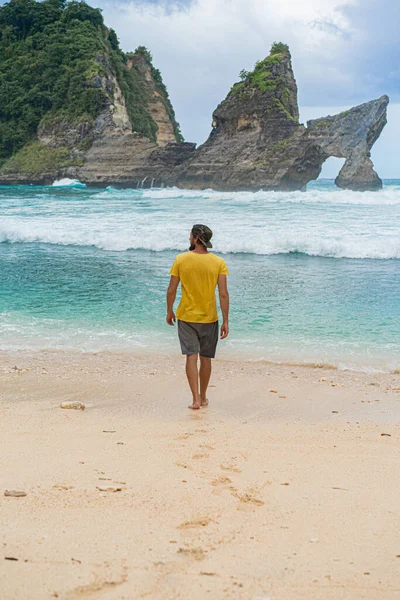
285	487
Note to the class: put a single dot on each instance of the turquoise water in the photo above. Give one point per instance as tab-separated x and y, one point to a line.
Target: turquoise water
315	276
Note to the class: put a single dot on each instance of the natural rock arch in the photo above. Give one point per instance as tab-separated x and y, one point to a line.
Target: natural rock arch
258	143
351	135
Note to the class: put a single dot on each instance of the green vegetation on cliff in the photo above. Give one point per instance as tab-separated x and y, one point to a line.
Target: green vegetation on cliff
163	91
133	88
57	62
47	50
35	158
265	78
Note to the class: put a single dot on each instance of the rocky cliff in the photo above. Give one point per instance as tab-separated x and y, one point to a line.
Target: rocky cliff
65	85
121	156
75	105
257	142
351	135
130	160
159	104
252	128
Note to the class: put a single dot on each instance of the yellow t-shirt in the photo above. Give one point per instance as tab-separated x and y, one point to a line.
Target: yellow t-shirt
199	277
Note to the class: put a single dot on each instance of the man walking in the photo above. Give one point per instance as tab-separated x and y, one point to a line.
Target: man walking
199	272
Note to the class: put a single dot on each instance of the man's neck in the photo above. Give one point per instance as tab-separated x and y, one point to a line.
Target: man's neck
200	249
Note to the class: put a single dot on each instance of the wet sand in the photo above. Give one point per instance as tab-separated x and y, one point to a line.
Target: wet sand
283	488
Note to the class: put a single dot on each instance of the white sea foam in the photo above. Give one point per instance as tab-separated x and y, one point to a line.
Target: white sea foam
338	224
390	195
121	239
66	182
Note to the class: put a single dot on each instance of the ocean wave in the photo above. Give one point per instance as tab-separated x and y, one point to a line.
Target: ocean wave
388	196
244	242
66	182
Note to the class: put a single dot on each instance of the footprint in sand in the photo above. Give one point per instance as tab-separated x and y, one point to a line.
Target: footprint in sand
184	436
98	588
203	522
230	467
221	481
207	447
222	484
196	553
249	496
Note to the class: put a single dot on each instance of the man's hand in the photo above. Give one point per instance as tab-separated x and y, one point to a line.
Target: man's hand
224	330
171	295
224	302
171	319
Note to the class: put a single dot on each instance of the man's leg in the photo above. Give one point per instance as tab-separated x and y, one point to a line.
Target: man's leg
205	374
192	375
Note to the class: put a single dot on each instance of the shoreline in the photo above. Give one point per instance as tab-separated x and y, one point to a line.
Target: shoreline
225	356
101	372
284	487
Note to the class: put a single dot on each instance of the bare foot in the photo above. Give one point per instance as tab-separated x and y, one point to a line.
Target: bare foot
204	402
194	406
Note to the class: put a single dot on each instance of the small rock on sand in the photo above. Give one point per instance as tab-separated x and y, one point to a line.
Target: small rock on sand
74	405
15	493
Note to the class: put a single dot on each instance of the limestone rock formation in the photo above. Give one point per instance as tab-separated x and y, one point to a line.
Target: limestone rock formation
157	105
107	119
257	142
351	135
130	160
251	128
124	157
68	85
118	154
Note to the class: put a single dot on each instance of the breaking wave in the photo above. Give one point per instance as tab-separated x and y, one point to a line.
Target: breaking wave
66	182
320	222
356	247
388	196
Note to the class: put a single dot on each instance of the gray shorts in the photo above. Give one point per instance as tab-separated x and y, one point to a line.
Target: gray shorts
198	338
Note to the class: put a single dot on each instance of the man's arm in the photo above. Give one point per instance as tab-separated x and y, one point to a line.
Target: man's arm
171	295
224	303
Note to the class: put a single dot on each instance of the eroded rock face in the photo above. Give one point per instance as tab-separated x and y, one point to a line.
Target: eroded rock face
351	135
258	143
251	127
131	160
165	133
256	140
60	131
